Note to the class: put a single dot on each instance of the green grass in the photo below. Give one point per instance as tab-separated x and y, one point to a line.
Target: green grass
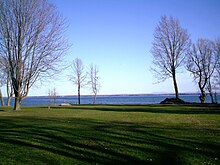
110	134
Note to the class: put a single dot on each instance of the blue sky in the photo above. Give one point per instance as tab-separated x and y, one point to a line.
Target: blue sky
116	35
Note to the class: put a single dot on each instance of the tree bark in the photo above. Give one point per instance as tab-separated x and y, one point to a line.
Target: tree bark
78	94
212	97
211	94
175	86
17	104
9	101
94	99
2	99
202	97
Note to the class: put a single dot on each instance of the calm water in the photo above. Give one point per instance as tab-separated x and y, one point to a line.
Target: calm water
110	99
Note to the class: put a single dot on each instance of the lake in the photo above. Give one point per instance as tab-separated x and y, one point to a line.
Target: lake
110	99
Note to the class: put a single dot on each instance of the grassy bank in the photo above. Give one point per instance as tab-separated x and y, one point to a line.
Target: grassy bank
111	134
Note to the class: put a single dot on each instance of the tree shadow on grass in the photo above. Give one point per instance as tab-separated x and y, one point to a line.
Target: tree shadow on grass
168	109
87	141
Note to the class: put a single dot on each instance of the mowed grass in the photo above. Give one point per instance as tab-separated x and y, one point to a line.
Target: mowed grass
111	134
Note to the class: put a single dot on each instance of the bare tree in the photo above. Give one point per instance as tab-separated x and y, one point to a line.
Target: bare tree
213	85
30	42
52	94
169	46
78	76
202	62
94	81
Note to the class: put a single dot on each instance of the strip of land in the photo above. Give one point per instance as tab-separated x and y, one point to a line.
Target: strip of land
111	134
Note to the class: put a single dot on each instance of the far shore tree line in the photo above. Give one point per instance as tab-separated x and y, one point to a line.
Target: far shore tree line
32	47
173	49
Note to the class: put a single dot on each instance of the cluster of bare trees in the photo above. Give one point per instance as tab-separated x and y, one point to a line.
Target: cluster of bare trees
172	49
203	61
31	44
52	96
81	78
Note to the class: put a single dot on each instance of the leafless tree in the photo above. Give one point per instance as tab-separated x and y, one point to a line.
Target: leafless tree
169	46
94	81
30	42
213	86
52	96
202	62
78	76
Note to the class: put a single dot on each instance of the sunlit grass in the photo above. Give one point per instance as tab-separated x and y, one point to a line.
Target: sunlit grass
110	134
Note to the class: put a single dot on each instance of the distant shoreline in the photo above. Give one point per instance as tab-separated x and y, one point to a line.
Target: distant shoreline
103	95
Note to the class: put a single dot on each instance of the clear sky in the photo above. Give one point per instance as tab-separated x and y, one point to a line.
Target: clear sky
116	35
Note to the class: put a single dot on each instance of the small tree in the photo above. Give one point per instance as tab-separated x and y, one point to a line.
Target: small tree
78	76
94	81
202	62
169	46
52	94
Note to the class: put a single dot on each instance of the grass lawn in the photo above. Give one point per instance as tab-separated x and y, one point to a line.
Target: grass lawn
111	134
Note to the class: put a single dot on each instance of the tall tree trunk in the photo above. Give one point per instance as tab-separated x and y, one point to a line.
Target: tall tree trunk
9	91
78	94
209	87
17	104
2	99
202	97
94	99
9	101
175	85
212	98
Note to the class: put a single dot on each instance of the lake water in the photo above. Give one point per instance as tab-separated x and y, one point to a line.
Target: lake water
110	99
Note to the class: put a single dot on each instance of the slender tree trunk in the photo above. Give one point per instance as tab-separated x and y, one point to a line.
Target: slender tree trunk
94	99
202	97
9	101
216	98
9	91
211	92
2	99
175	85
78	94
212	98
